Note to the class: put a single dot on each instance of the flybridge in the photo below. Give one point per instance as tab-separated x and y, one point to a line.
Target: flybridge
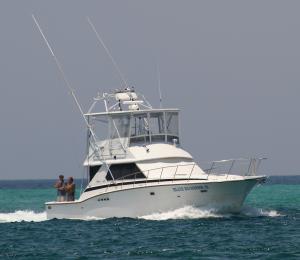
129	121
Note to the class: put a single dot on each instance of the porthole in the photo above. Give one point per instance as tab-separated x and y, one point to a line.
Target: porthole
103	199
152	193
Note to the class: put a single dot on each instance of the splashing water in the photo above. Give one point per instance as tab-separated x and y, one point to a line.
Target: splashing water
88	218
190	212
187	212
258	212
31	216
23	215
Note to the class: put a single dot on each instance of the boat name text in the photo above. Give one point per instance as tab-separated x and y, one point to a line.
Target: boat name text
187	188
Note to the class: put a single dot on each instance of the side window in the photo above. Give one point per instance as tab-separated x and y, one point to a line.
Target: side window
93	171
139	128
124	171
157	128
172	123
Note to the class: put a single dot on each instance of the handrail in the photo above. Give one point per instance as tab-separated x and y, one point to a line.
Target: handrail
153	169
191	171
175	173
123	178
254	163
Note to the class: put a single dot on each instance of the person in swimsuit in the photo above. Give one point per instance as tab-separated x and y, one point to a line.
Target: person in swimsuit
60	187
70	189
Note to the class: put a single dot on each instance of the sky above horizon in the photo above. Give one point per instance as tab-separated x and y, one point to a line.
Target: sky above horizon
232	67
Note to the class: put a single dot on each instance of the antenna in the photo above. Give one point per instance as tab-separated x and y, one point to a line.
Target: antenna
159	89
122	78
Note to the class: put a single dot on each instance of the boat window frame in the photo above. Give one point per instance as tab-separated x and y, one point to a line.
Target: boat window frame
168	137
124	171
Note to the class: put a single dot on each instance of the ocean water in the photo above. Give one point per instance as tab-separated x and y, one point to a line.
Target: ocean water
268	227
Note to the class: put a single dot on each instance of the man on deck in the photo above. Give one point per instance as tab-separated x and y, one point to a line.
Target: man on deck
70	189
60	186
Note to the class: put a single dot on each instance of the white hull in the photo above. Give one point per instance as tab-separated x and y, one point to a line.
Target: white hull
135	201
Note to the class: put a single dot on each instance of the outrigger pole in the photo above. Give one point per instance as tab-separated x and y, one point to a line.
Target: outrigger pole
108	52
61	70
72	92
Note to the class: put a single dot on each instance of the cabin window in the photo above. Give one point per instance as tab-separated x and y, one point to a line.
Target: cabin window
124	171
172	124
157	127
93	171
154	127
119	126
139	128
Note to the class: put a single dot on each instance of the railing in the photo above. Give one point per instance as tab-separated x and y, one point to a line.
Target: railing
224	168
132	177
242	167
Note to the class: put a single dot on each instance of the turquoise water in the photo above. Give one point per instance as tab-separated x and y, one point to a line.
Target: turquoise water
267	228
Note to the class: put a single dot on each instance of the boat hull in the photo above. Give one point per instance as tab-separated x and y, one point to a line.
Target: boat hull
221	196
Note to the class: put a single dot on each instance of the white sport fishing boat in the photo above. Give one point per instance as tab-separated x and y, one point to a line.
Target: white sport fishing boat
139	167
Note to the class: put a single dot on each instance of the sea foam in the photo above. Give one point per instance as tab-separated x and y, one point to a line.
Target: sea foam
258	212
187	212
23	215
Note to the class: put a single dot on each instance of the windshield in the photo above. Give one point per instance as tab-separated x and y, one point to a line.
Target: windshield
154	127
119	126
115	132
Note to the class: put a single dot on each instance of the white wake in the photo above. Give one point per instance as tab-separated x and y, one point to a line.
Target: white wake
23	215
187	212
258	212
190	212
